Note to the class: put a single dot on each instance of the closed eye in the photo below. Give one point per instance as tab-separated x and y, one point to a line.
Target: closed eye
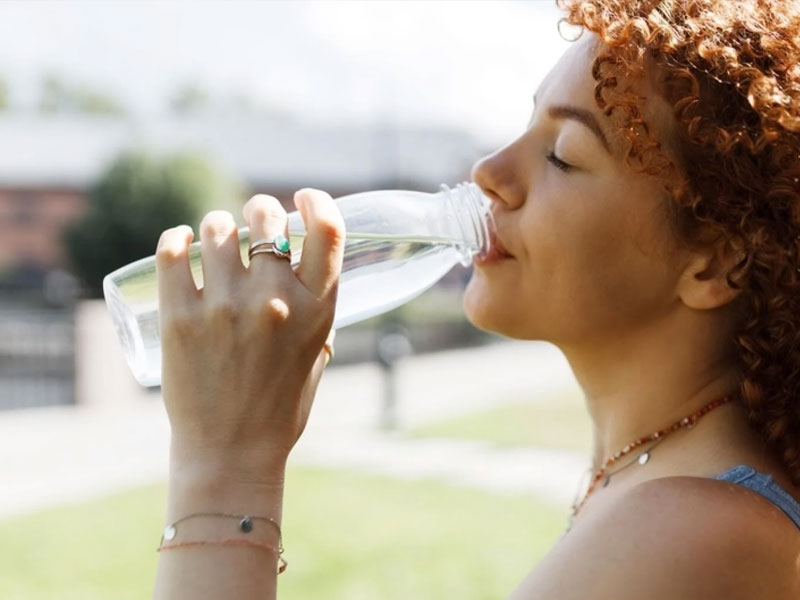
558	163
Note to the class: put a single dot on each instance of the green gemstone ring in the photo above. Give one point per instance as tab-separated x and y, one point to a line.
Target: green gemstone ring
279	246
281	243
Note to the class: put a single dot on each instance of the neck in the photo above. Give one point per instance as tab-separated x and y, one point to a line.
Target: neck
644	381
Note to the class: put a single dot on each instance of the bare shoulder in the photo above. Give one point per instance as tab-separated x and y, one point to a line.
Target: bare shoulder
677	537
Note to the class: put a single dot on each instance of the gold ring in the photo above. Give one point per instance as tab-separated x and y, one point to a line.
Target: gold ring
328	347
329	353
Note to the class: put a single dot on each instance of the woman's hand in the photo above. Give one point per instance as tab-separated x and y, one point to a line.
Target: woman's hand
242	357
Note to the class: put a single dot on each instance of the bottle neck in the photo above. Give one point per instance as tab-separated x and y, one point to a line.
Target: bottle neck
472	210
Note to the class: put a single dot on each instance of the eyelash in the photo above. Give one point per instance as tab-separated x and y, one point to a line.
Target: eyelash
558	163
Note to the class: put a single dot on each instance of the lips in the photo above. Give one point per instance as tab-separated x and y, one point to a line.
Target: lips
497	253
497	245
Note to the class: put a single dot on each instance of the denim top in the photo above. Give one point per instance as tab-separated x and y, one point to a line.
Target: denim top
764	485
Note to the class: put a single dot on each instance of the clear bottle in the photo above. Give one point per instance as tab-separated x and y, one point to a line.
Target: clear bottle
398	244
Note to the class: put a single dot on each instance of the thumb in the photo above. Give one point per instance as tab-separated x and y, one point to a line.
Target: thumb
312	381
323	358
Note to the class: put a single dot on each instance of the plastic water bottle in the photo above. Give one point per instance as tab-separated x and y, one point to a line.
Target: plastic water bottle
398	244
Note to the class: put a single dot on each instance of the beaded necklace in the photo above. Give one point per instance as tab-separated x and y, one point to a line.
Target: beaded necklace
642	459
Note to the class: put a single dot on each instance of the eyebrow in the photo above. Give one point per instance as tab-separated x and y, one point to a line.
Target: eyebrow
582	116
563	111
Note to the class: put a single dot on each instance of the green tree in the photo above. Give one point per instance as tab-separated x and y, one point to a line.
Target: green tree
134	201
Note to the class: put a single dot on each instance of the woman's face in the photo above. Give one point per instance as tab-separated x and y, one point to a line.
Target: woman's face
591	250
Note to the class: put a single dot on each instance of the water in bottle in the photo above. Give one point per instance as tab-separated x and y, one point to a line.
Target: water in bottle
398	244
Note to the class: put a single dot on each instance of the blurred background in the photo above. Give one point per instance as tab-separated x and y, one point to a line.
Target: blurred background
440	460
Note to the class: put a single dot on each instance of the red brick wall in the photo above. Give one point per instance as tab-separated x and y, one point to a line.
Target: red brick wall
31	221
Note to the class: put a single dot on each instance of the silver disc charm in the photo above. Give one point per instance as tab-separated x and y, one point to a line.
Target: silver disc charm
170	532
644	457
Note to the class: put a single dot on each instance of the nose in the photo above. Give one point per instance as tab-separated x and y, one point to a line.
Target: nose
501	176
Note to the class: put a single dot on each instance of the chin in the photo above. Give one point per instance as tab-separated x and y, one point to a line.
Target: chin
493	314
482	311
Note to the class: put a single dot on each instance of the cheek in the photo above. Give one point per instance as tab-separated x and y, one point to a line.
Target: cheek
579	274
590	274
606	278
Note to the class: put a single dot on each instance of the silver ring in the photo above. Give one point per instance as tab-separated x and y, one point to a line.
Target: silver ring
274	251
279	245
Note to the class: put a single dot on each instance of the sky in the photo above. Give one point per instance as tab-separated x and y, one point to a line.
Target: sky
469	65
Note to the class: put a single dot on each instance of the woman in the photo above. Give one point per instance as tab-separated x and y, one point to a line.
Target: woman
646	224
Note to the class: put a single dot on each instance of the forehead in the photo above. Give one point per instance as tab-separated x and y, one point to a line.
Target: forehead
571	81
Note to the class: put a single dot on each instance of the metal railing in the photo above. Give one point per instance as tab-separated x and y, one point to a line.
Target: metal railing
37	353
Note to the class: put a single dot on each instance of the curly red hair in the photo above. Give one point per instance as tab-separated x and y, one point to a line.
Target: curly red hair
731	72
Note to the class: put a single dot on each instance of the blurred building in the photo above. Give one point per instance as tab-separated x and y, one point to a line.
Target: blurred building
48	164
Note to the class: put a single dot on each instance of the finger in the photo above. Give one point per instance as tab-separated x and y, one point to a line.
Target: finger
323	248
176	287
266	219
219	251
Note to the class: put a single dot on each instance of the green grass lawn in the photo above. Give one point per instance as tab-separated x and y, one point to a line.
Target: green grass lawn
347	536
558	422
